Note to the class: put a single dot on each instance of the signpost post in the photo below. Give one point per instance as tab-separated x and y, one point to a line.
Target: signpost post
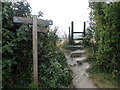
34	21
35	58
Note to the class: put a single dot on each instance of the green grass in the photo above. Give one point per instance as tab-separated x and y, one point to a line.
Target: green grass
66	45
102	80
33	85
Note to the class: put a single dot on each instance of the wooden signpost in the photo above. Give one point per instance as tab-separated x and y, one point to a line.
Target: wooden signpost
30	20
34	21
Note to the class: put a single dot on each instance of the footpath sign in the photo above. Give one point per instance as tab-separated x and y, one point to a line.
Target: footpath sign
30	20
35	22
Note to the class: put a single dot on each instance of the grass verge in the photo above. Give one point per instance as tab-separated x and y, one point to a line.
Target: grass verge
102	80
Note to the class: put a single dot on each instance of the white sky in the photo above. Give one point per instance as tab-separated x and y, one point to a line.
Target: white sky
62	12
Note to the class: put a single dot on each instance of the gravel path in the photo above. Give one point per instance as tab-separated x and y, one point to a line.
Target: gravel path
80	76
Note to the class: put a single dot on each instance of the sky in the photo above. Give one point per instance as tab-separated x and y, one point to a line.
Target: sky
62	12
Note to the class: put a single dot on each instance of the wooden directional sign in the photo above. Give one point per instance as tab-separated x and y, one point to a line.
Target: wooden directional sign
30	20
35	22
42	29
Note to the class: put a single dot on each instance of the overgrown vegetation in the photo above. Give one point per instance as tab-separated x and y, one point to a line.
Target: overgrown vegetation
54	68
103	80
17	63
105	34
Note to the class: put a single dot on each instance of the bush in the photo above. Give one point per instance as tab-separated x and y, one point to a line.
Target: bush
17	63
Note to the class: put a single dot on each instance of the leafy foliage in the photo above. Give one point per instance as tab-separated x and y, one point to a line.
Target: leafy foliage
52	64
17	63
105	27
16	42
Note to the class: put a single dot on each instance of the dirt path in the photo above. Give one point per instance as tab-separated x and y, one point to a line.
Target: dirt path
78	67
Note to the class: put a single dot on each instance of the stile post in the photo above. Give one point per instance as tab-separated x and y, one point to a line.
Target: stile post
84	31
72	26
69	34
84	28
35	58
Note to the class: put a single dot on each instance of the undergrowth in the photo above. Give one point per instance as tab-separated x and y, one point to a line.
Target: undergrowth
17	66
100	77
